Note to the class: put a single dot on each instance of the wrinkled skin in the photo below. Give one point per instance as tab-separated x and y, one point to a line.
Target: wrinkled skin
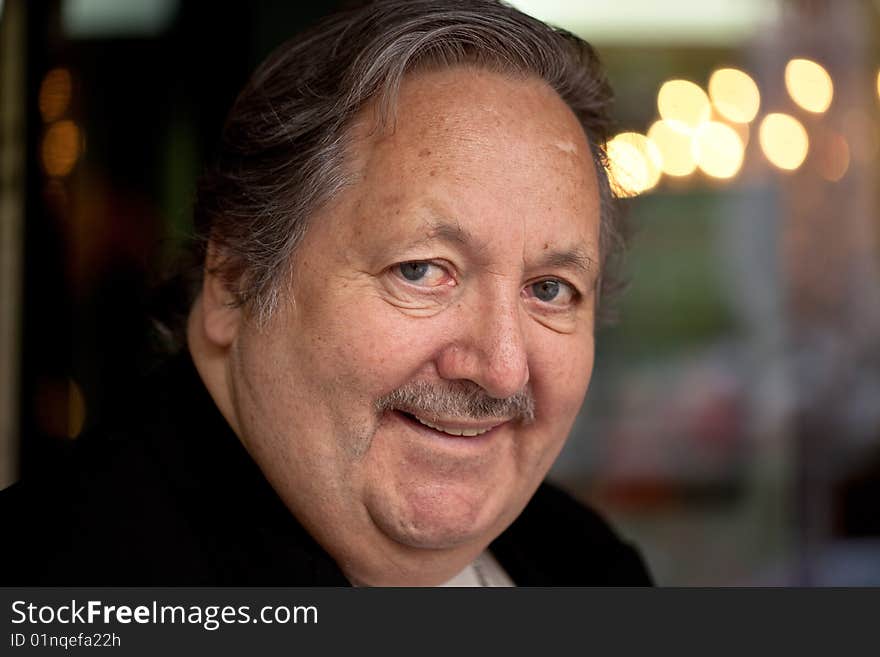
466	250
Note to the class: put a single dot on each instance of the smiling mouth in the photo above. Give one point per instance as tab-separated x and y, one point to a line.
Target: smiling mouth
453	429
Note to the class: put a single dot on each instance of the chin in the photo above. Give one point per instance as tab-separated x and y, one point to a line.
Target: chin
438	519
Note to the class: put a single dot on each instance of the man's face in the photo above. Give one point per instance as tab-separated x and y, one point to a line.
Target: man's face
459	270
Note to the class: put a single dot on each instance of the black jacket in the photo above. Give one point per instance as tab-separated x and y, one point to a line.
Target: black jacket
173	498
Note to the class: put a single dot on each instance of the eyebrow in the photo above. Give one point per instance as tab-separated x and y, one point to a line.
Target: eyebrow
453	233
574	258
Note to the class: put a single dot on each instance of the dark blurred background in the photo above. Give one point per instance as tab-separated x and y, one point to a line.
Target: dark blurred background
732	429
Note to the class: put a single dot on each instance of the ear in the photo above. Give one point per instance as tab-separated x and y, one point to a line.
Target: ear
220	314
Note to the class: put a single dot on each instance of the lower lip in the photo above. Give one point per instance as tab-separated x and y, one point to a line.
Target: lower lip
426	430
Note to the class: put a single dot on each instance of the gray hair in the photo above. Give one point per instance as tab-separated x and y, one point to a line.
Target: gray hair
283	152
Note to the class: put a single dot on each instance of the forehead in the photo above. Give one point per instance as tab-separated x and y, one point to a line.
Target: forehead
465	109
474	147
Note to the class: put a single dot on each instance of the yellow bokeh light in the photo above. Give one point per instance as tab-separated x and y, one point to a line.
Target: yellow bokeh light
734	95
61	148
809	85
676	147
783	140
626	168
683	101
634	164
54	96
742	130
718	149
878	83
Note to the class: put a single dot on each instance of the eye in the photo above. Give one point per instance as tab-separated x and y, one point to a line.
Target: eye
423	274
552	291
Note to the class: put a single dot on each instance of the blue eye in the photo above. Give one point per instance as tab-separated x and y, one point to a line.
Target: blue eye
546	290
423	273
414	271
553	292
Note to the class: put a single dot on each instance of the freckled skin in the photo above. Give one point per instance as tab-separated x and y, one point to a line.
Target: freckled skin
392	506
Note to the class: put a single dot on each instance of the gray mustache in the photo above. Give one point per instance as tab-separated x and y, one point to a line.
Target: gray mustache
461	399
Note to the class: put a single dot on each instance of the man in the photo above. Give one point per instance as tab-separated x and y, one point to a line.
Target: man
402	246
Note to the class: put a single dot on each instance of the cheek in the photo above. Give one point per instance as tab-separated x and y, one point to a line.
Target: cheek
364	346
560	376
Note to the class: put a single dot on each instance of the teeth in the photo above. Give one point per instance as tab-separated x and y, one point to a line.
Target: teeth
468	433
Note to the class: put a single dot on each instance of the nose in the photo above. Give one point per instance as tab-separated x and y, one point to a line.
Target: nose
488	348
